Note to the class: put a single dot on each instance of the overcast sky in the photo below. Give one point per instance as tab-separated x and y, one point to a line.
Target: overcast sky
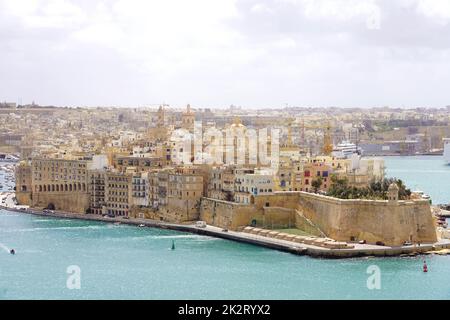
220	52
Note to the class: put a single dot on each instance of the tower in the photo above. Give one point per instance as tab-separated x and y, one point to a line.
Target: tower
327	140
188	119
160	131
393	192
160	117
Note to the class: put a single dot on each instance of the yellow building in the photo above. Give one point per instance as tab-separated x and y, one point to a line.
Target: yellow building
60	184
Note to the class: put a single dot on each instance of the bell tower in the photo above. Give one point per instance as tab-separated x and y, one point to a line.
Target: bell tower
188	119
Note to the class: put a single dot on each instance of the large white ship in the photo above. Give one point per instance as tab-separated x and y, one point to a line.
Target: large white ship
8	158
447	150
345	149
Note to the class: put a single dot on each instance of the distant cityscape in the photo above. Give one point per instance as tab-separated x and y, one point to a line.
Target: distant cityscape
376	131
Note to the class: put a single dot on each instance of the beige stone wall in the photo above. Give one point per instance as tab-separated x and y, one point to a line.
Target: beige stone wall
390	222
23	184
278	199
146	213
64	201
277	218
226	214
179	210
233	215
23	198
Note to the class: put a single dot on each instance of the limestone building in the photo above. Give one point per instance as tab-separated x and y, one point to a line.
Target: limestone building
188	119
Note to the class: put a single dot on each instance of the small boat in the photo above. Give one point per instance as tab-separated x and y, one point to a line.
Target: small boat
142	225
447	150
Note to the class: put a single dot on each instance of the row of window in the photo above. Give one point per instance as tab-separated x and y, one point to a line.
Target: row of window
123	179
45	164
120	186
116	205
60	188
318	173
115	193
252	190
118	212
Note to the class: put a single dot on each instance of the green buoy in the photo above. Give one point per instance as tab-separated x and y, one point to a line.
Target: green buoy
173	244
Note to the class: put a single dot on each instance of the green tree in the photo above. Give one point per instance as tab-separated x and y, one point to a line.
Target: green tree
376	190
317	183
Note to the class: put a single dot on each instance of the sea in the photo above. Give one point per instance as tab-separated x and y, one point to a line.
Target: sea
73	259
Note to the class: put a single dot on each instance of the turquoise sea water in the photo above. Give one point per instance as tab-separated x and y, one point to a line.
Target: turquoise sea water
427	173
126	262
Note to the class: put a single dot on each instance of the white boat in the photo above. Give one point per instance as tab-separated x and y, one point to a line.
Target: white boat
447	150
346	149
8	158
421	194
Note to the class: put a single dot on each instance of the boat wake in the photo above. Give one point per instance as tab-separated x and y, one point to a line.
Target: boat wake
8	250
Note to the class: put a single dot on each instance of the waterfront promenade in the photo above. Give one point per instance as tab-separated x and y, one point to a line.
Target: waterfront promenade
358	250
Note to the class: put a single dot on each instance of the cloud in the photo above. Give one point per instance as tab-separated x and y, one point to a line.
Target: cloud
439	9
249	52
44	14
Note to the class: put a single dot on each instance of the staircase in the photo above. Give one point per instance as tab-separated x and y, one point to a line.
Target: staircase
307	225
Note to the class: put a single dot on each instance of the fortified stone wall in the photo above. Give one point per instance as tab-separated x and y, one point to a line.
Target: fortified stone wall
226	214
145	213
232	215
278	199
180	210
392	222
23	198
76	202
277	218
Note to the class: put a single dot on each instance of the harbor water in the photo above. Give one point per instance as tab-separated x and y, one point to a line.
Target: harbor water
126	262
429	174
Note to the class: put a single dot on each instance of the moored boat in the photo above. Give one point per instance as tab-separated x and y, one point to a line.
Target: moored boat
447	150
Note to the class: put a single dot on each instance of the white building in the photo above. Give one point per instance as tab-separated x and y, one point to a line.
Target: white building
140	192
252	182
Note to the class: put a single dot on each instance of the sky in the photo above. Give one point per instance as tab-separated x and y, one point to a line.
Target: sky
215	53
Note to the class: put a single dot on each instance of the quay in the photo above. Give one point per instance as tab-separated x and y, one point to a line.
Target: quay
357	250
